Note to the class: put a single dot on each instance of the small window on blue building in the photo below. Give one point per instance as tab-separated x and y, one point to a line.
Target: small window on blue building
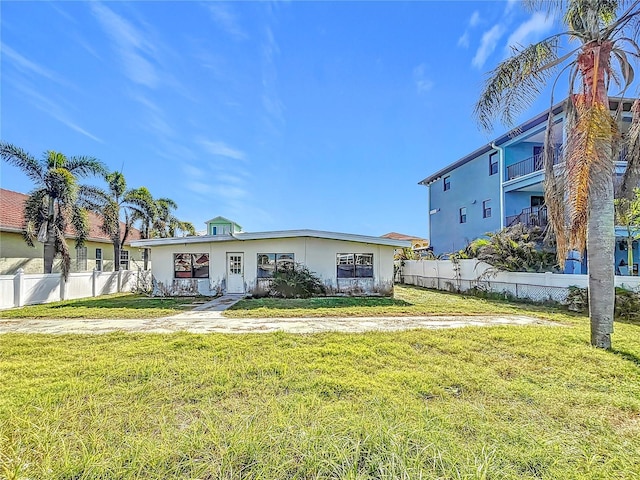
493	163
486	209
447	183
463	215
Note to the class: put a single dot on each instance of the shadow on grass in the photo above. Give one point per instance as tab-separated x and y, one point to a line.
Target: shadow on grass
630	357
131	302
318	303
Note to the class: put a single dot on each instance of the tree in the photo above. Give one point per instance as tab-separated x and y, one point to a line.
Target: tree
627	213
166	224
580	197
156	219
54	204
113	204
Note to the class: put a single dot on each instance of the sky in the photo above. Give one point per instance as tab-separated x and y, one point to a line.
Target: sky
276	115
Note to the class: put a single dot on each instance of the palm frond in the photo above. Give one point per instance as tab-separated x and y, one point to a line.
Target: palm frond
83	166
61	247
589	149
80	223
515	83
631	177
554	190
19	158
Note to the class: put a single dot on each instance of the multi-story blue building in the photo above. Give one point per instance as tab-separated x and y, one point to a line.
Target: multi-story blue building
501	184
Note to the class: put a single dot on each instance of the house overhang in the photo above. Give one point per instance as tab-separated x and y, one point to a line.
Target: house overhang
349	237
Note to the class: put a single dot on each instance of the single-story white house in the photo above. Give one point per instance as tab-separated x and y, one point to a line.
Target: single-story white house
232	261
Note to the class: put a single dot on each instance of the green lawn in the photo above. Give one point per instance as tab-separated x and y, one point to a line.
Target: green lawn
119	305
407	301
473	403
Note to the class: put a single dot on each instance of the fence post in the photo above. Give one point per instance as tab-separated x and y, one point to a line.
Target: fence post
18	288
94	280
63	288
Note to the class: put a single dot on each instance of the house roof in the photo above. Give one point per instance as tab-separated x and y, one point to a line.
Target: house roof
400	236
12	218
350	237
534	122
222	219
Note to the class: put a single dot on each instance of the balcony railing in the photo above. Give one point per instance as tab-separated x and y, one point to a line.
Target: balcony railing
536	163
530	165
531	217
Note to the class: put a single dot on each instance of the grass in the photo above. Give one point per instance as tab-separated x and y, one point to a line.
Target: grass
407	301
114	306
473	403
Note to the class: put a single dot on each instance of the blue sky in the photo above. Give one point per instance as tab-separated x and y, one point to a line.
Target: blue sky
278	115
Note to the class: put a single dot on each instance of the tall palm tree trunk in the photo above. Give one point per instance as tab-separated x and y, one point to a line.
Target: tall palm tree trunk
49	251
593	62
601	239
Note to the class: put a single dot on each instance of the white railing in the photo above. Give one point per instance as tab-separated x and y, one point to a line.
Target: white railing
469	274
33	289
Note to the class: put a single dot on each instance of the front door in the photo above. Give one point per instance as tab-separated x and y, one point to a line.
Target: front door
235	273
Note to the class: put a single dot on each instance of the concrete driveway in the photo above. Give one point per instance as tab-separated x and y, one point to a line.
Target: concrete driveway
208	318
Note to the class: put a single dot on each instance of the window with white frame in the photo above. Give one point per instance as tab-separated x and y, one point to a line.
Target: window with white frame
269	263
463	215
493	163
191	265
99	259
124	260
486	209
81	259
354	265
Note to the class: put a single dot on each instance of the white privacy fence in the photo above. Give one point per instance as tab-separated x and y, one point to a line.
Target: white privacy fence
32	289
465	275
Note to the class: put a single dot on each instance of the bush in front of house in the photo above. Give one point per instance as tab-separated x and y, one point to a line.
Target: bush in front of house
296	281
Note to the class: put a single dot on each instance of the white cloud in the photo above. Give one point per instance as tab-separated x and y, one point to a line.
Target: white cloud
487	45
463	41
531	30
221	149
131	44
25	65
423	83
475	19
54	110
226	19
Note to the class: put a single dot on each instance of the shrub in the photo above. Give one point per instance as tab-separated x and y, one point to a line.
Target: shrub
627	302
513	249
296	281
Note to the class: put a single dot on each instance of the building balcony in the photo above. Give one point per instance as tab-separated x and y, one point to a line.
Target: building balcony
530	217
531	164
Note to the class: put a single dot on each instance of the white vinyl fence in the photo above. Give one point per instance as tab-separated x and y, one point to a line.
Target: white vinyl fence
465	275
32	289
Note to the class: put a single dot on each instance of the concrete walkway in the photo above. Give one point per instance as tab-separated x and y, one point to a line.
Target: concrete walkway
207	318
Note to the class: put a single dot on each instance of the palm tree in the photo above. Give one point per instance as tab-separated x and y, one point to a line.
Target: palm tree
54	203
156	218
112	205
580	196
168	225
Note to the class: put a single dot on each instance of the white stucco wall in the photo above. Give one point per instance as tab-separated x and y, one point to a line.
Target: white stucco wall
319	255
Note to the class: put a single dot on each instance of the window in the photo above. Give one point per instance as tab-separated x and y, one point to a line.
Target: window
493	163
486	209
463	215
354	265
447	183
99	259
124	260
269	263
191	265
81	259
